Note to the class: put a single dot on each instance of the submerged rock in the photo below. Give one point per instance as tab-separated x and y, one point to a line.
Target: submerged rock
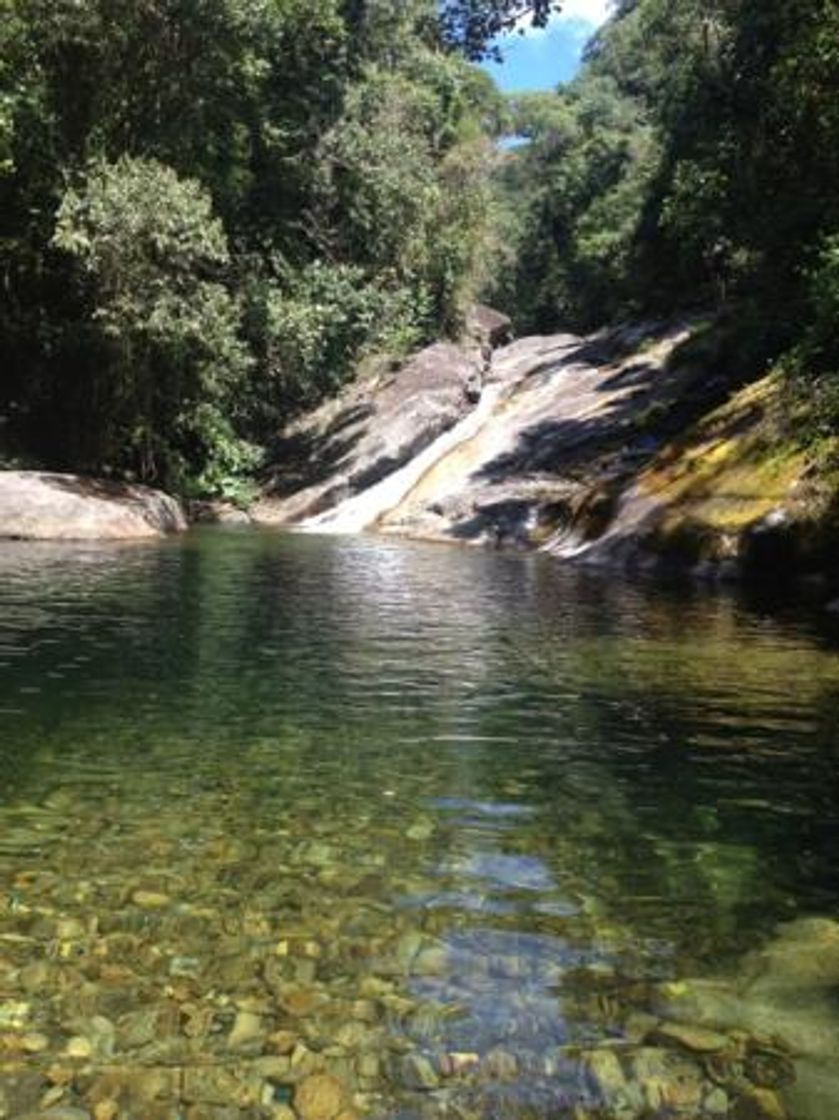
320	1097
39	506
698	1039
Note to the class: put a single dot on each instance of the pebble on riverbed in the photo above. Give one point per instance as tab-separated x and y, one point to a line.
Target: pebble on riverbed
263	977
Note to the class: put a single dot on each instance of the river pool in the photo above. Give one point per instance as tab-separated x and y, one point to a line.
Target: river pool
349	827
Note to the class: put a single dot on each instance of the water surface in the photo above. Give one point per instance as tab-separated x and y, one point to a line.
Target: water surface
428	830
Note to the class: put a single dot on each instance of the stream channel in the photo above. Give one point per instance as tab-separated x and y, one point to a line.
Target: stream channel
332	827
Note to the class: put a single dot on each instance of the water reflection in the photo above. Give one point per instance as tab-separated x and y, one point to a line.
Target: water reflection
438	825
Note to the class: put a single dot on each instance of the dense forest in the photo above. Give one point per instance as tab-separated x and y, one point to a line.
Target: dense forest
213	212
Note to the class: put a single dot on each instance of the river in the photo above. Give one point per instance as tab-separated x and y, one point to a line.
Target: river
361	827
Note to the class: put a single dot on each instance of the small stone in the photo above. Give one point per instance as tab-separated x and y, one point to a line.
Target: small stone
716	1103
283	1042
759	1104
34	1043
304	1061
408	947
501	1064
151	900
639	1025
353	1036
364	1010
419	1073
215	1085
422	830
248	1030
70	929
273	1068
432	961
14	1013
34	976
461	1062
369	1066
298	1003
184	966
698	1039
105	1110
320	1097
59	1075
607	1073
102	1036
78	1047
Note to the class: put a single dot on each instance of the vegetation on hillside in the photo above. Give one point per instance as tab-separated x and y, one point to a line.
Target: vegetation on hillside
212	210
693	162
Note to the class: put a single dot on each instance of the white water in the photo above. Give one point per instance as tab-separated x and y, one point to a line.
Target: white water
364	509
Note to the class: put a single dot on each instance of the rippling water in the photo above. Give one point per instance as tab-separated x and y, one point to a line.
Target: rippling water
363	828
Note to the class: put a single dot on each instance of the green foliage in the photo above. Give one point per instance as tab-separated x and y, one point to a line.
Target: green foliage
822	338
693	161
146	240
313	331
402	184
579	187
210	209
812	367
470	26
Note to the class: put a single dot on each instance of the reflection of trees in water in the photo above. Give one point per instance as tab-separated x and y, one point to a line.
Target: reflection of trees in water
676	750
714	727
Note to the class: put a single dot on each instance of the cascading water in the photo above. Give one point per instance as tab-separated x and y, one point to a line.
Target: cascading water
364	509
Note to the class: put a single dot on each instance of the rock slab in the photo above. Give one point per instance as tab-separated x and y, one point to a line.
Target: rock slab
35	505
369	431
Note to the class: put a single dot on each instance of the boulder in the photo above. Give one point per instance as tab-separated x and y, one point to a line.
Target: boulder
39	506
217	512
488	327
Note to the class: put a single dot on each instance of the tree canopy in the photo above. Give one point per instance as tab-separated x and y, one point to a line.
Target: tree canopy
212	211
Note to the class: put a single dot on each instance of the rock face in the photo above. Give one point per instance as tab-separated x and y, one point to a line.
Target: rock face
367	432
623	449
568	425
215	512
41	506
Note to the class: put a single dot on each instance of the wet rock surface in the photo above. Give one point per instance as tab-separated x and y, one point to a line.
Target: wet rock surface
620	450
369	431
569	423
563	425
62	507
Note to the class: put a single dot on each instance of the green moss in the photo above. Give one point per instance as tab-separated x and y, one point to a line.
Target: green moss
731	469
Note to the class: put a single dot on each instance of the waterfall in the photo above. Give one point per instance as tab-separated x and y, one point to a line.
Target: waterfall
365	508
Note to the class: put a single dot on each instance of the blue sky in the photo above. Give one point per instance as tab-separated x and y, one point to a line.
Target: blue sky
540	59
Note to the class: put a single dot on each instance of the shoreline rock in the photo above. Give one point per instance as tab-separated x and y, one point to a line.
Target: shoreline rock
43	506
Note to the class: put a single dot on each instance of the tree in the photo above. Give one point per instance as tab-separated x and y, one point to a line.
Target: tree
469	26
171	355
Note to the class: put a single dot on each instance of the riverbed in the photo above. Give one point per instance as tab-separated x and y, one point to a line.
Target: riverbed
334	827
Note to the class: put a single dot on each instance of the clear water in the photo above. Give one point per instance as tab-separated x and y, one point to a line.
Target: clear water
366	828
